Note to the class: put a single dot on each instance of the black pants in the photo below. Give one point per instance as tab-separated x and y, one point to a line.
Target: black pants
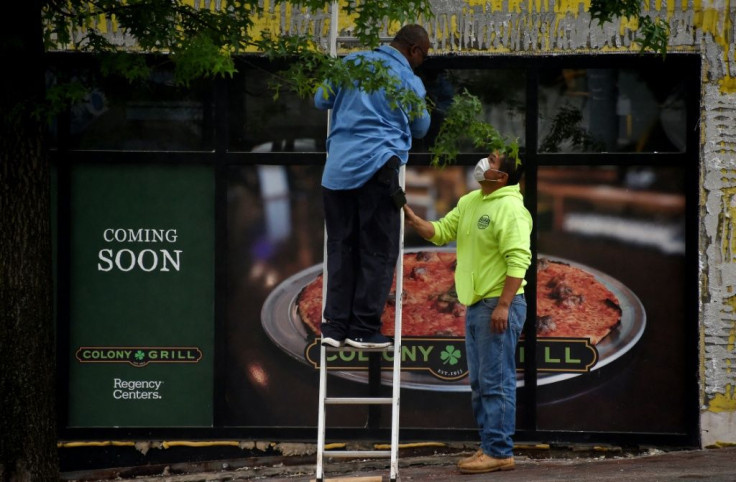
363	227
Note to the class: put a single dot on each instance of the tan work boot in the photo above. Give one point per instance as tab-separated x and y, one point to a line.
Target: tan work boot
483	463
467	460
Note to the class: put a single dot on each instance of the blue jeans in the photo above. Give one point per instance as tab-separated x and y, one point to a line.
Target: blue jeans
492	372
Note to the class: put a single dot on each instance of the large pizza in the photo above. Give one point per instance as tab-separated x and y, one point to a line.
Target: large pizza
570	301
573	303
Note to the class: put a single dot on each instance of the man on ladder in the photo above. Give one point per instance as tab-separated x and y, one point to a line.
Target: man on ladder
369	139
367	148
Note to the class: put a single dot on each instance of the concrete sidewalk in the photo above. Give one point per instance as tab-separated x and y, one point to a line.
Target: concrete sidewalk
711	464
651	465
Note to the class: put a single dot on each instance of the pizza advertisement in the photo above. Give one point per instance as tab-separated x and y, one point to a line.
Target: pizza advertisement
584	320
609	322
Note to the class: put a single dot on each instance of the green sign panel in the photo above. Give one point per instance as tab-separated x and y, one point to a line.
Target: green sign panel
142	296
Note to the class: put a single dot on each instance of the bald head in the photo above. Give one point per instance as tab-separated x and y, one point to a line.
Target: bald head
412	41
411	34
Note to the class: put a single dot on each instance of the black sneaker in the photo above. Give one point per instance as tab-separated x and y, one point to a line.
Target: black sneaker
332	341
333	334
376	340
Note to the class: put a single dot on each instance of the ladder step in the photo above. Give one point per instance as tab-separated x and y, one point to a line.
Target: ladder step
388	349
358	453
358	400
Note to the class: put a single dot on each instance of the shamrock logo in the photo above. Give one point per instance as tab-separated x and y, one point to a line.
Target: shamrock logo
139	355
450	355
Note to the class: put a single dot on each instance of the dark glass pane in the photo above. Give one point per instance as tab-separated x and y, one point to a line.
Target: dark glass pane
261	122
612	110
501	92
155	115
612	240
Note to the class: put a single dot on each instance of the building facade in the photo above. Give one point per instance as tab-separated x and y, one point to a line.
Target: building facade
631	177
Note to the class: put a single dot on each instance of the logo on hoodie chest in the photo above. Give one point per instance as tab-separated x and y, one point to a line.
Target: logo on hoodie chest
484	221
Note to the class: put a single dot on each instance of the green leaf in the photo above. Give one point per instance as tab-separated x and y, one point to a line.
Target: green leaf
656	35
606	10
463	122
130	66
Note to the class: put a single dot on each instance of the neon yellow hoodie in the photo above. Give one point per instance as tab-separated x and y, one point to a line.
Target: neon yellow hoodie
493	234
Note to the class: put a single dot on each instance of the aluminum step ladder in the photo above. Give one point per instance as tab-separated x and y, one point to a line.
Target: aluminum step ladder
325	400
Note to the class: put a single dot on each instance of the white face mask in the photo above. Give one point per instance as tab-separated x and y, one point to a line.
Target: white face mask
481	168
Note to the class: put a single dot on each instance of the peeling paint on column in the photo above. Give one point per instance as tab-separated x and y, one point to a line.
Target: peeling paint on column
718	243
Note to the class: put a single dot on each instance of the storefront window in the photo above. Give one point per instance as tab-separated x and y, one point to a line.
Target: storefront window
157	115
261	121
625	224
501	92
612	110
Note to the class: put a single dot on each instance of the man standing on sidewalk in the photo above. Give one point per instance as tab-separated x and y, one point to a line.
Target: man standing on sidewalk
492	229
369	140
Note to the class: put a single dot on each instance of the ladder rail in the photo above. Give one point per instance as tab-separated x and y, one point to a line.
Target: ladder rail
396	383
319	472
321	414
